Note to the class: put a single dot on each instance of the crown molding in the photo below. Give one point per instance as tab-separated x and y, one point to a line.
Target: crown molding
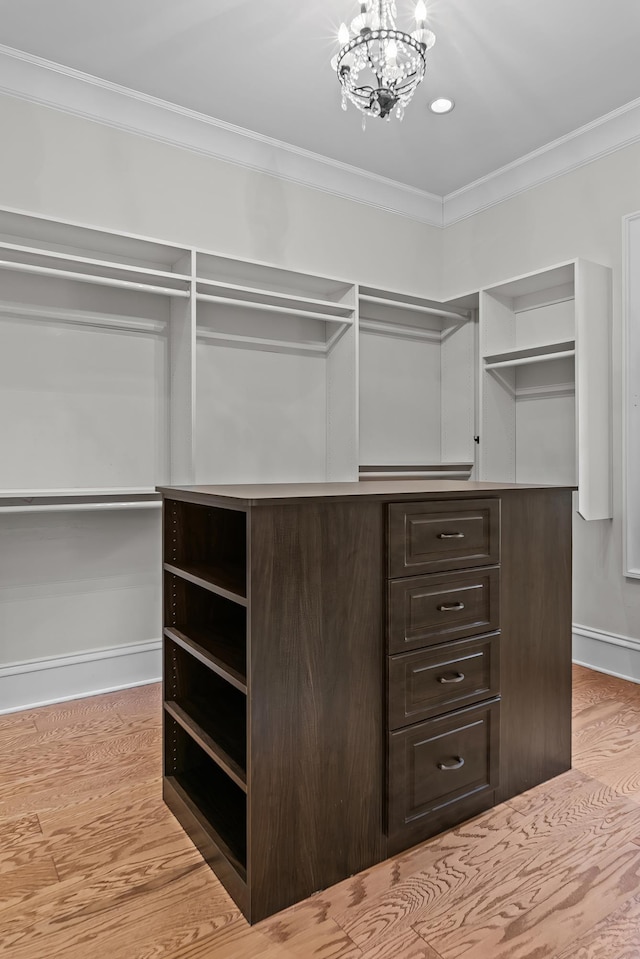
51	84
607	134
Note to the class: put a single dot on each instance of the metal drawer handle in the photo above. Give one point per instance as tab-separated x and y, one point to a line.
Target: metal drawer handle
449	607
450	535
457	763
454	679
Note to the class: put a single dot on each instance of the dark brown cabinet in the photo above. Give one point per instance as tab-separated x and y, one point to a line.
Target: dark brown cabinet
351	668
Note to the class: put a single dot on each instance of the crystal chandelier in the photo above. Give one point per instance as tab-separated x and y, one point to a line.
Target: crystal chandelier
378	66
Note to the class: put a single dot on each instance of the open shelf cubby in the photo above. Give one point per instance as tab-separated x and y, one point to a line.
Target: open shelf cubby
83	385
214	803
289	339
207	547
210	710
210	627
417	384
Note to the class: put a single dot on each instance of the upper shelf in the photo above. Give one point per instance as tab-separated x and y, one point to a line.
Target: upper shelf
245	278
46	237
411	317
19	258
307	313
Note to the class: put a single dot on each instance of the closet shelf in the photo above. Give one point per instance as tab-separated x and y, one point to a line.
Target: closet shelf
222	654
533	354
226	581
327	306
207	808
214	733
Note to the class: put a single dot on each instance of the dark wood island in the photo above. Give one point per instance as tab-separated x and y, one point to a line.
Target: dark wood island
350	668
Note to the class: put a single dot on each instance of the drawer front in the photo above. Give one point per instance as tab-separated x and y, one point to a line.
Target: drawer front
425	610
433	680
427	537
440	765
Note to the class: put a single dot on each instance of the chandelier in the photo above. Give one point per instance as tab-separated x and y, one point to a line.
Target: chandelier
378	66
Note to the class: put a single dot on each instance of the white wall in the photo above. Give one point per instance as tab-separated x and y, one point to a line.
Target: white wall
64	166
578	214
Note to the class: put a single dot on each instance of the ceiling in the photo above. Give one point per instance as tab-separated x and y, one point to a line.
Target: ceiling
522	74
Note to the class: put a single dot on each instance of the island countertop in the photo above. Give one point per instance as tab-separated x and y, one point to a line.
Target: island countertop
243	495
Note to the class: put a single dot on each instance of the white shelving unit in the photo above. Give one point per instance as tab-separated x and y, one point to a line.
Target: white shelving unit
85	340
417	386
545	382
127	363
276	374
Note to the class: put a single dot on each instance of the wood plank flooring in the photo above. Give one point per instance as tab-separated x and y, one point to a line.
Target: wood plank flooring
92	864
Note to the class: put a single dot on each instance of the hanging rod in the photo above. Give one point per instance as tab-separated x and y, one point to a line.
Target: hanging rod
428	474
73	507
270	308
250	341
274	294
86	491
528	360
93	261
102	320
397	329
91	278
414	307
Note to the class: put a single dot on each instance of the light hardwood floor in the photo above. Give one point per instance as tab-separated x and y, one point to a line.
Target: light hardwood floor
92	865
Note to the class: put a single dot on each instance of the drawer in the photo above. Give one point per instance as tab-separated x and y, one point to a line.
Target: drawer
427	537
425	610
442	678
442	771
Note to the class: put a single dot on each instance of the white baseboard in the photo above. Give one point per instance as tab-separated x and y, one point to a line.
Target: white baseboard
41	682
607	653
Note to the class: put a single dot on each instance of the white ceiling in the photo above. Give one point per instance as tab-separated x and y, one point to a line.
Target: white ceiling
522	73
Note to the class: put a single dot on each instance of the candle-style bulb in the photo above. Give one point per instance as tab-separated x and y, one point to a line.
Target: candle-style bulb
343	34
421	11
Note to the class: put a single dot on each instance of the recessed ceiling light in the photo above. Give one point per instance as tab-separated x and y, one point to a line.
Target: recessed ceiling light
441	105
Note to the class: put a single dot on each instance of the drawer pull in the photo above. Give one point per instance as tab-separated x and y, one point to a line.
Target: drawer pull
457	763
457	678
450	535
450	607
